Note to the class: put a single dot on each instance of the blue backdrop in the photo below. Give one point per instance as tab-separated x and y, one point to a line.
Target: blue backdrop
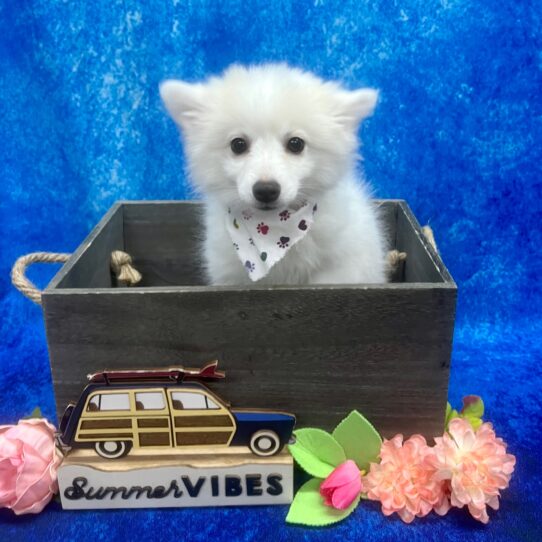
457	133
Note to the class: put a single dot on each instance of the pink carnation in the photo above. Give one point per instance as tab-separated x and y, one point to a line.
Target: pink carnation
474	465
28	465
404	480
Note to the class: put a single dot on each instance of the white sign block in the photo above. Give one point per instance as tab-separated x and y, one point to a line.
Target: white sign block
180	480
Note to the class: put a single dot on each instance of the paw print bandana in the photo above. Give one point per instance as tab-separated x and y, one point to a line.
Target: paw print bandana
261	238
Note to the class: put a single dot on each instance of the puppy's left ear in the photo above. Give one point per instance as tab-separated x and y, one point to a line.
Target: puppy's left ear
357	105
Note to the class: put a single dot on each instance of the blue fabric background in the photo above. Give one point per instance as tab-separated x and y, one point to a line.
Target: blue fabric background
457	133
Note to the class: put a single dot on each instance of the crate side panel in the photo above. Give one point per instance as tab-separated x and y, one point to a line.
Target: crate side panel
91	268
318	354
164	239
419	266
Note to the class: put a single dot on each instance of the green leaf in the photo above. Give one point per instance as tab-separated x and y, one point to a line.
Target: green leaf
309	509
473	410
359	439
474	422
451	413
473	406
316	451
36	413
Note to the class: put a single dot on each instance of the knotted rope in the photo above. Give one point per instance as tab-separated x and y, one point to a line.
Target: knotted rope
396	260
428	232
125	273
121	265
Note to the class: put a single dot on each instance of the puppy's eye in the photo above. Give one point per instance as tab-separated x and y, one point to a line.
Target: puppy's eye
295	145
239	145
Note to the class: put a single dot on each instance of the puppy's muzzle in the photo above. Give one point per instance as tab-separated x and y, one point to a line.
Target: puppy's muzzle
266	191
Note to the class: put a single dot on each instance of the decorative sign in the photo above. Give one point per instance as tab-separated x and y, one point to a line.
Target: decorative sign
181	480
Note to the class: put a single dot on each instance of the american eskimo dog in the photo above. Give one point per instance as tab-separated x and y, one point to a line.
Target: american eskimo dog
273	151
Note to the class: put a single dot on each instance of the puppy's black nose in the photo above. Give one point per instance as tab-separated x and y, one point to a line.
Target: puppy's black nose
266	191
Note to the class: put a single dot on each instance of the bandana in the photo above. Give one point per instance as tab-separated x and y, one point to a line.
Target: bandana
261	238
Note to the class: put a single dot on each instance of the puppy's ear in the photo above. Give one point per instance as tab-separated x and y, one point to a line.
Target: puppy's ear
357	105
183	101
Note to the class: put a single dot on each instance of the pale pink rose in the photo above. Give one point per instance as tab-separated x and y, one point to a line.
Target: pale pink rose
28	465
342	487
475	466
404	480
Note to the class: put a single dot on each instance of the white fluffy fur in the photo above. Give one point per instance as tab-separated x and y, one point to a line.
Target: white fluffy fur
267	105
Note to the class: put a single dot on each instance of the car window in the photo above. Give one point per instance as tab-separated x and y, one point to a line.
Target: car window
149	400
109	401
186	400
211	404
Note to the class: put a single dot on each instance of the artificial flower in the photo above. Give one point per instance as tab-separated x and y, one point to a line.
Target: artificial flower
474	465
404	480
341	488
29	461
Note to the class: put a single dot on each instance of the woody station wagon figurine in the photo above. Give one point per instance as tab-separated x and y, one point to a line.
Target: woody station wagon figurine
166	408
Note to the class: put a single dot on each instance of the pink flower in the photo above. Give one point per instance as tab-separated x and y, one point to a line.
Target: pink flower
341	488
404	480
28	465
475	466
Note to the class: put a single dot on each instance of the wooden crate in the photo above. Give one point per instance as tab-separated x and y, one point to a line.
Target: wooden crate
317	351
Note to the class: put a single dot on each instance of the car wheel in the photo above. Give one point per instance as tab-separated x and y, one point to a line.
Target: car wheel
112	449
265	443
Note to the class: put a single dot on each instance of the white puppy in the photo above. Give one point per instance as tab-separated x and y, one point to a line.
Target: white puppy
267	139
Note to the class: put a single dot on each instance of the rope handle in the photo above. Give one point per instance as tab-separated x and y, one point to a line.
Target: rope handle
120	262
126	275
18	276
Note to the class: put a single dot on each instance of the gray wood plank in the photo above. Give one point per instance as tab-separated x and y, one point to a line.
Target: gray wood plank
318	353
89	265
164	241
423	263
